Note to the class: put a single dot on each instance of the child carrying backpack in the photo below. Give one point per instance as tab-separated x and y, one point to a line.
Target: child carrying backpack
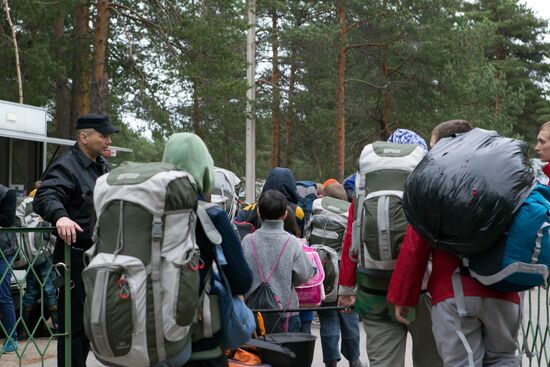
38	248
278	264
326	235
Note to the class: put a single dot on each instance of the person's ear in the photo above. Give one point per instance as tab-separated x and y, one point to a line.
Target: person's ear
83	136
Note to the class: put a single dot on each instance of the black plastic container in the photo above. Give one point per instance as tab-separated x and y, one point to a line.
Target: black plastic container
303	346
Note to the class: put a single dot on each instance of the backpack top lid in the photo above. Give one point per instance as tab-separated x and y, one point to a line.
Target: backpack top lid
463	194
225	180
382	155
145	184
333	208
224	192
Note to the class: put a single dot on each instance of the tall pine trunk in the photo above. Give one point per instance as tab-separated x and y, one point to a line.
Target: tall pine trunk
196	108
386	97
340	92
80	91
290	114
276	101
100	88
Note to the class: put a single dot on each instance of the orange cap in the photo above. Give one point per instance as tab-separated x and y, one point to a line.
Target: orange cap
329	182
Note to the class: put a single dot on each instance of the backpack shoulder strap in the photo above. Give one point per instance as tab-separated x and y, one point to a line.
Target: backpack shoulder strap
279	258
258	260
209	227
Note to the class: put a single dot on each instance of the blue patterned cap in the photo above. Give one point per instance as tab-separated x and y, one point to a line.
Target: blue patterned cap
404	136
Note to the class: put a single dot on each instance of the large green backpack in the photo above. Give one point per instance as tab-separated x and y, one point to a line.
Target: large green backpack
328	222
379	224
142	283
379	221
325	233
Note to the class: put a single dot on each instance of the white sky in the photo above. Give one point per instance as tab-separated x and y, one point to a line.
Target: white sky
541	7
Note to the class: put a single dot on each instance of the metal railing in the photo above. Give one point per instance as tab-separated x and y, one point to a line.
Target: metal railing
534	335
34	266
533	340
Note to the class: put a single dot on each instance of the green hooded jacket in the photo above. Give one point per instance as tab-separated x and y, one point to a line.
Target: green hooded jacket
188	152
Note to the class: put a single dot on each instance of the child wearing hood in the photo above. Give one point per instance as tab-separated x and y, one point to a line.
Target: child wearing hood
189	153
280	179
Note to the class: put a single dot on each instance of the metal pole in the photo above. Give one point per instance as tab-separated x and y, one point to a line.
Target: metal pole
68	310
250	100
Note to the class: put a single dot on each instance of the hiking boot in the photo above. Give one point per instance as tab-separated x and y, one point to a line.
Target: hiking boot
357	363
10	346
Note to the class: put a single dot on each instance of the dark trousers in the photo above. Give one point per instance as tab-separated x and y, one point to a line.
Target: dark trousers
79	342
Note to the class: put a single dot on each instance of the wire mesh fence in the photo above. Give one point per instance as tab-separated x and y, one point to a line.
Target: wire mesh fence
33	282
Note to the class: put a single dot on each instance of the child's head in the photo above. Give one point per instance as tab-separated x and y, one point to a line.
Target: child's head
272	205
449	128
336	190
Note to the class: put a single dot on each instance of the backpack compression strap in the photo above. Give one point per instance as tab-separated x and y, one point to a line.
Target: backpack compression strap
156	235
213	236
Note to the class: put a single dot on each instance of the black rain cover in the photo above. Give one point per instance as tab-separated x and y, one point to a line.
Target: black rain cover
463	193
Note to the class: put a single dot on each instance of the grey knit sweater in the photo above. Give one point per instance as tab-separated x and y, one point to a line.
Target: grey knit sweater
293	268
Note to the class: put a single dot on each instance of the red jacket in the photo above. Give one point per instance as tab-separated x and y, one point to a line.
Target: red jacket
411	264
347	266
546	171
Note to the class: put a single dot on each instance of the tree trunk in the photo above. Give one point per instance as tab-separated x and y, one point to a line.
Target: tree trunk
386	98
227	148
80	92
340	93
100	79
16	50
62	107
499	57
276	101
290	114
196	108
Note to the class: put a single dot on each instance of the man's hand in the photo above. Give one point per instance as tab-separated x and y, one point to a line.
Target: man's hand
400	313
66	229
346	301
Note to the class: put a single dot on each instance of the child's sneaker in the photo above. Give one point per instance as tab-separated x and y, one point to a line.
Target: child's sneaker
10	346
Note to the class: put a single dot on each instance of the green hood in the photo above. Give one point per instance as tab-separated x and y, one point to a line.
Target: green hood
188	152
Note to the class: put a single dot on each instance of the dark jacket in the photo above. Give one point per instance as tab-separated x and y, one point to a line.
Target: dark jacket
67	191
237	271
280	179
8	203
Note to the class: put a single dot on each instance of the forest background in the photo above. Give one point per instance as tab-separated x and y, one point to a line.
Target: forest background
332	76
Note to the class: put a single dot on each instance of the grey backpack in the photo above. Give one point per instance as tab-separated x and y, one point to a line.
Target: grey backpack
325	233
37	246
379	221
328	222
142	280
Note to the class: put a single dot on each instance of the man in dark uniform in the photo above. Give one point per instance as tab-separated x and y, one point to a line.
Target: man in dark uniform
66	199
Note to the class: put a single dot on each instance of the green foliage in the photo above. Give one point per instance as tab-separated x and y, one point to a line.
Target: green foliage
181	66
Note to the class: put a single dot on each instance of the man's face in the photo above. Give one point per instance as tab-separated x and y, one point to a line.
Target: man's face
95	143
543	145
